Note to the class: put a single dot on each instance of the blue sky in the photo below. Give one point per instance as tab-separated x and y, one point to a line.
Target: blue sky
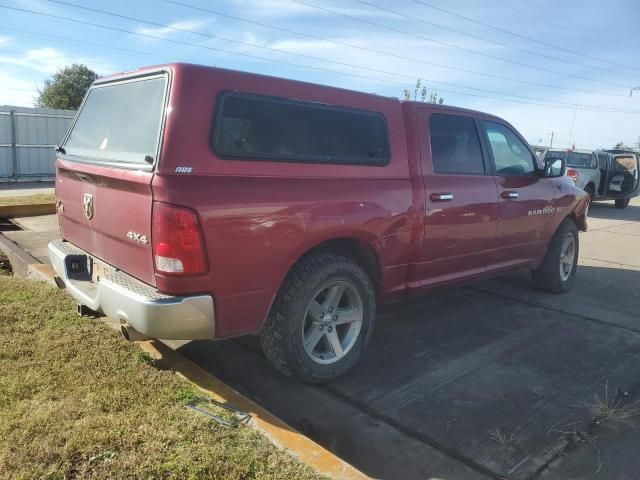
529	61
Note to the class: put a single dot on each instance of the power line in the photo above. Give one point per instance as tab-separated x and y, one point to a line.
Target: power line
582	31
415	35
85	43
391	55
484	39
83	22
509	32
375	70
206	47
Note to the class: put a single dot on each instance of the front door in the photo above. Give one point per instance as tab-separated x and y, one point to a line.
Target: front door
461	203
526	199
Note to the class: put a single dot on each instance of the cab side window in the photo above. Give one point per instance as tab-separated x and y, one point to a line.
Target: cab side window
510	154
455	145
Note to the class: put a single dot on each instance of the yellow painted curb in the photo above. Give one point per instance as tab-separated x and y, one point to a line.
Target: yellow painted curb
28	210
306	450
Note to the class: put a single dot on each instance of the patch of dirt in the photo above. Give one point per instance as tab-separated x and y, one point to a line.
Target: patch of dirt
5	265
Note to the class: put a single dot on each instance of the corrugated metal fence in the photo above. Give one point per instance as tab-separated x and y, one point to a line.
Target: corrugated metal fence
28	137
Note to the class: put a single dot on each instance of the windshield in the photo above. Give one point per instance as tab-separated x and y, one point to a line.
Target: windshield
120	122
581	160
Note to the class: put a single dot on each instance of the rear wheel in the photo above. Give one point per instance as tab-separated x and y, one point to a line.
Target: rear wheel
557	271
321	319
622	203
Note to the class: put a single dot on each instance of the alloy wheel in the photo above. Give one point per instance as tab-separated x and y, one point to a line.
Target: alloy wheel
332	322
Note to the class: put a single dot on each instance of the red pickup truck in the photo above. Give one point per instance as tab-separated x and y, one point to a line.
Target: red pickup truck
201	203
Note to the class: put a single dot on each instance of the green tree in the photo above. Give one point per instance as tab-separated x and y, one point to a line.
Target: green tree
66	88
420	94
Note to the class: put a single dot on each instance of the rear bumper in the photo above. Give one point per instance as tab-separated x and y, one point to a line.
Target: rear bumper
129	300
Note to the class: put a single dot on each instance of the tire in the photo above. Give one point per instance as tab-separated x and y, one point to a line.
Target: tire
555	274
302	313
622	203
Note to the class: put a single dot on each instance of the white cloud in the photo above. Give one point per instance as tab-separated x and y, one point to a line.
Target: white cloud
21	74
5	41
47	60
16	91
173	28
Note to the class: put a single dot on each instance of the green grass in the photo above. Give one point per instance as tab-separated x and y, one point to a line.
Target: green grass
28	200
78	401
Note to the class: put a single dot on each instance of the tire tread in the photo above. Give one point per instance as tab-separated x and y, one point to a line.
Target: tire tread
547	276
274	334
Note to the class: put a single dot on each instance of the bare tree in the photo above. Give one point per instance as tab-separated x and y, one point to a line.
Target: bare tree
420	94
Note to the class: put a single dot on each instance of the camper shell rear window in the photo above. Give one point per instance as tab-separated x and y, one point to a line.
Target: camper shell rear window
256	127
120	122
581	160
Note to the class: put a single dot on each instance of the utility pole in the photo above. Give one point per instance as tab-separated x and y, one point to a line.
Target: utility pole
573	121
551	145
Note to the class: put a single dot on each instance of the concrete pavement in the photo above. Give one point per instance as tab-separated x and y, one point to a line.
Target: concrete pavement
35	234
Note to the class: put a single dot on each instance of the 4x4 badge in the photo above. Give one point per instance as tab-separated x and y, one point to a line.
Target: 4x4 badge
136	237
87	206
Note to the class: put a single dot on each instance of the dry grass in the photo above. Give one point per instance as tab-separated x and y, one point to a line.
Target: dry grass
77	401
610	408
28	199
497	435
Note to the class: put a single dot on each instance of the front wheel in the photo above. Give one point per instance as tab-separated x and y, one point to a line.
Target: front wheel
622	203
321	319
557	271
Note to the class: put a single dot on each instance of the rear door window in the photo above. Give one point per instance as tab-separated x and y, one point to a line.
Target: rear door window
267	128
455	145
120	122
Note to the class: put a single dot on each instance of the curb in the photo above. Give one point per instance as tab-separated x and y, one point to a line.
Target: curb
31	210
23	264
277	431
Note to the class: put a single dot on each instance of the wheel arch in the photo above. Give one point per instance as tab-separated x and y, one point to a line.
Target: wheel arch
362	251
591	184
579	221
358	249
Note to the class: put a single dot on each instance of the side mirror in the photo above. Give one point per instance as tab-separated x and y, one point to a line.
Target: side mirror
554	167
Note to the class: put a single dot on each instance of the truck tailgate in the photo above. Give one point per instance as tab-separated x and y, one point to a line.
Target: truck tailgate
107	212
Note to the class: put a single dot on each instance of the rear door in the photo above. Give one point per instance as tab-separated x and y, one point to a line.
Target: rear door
104	172
625	166
526	200
461	210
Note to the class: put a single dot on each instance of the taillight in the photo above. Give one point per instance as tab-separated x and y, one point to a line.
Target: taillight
176	237
572	174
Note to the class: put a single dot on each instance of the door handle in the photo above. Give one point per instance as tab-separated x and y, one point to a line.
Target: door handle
441	197
510	195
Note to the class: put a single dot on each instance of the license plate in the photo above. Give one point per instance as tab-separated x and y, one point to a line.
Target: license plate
99	270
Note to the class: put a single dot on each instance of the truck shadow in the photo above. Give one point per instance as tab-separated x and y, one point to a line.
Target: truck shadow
465	382
607	210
